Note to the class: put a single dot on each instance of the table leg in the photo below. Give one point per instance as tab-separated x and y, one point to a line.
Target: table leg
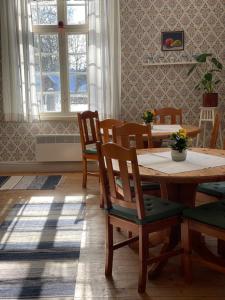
182	193
174	239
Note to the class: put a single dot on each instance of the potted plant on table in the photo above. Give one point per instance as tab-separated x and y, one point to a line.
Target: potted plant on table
179	143
148	117
207	67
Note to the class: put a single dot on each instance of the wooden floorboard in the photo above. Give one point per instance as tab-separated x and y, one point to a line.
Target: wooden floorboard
91	282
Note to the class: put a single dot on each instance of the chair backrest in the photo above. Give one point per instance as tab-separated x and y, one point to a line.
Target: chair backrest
104	129
87	125
170	114
110	154
215	131
133	135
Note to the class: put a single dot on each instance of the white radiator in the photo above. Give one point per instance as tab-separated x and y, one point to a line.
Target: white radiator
58	147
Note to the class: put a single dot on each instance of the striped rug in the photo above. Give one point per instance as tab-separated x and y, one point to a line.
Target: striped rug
40	247
29	182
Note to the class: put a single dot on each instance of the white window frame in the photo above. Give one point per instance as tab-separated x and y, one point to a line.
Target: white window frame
63	58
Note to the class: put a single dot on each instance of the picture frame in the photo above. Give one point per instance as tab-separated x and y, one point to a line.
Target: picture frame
172	40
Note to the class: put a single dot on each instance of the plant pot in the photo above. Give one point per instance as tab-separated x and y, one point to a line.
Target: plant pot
178	156
210	99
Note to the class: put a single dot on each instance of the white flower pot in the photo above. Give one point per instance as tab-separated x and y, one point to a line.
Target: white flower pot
178	156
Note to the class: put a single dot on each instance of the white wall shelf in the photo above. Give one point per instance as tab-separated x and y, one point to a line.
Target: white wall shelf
170	63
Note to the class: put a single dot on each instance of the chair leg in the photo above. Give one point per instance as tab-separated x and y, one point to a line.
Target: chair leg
221	248
186	256
84	184
109	248
101	196
143	256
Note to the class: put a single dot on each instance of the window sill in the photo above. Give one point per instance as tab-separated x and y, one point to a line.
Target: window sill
58	117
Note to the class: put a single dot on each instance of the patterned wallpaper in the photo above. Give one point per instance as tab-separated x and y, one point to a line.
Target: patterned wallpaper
142	22
1	104
17	140
143	87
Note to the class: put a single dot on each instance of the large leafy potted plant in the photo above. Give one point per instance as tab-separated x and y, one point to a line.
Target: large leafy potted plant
207	67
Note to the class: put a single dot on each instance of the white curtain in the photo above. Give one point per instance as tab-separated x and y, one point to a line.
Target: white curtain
18	70
104	65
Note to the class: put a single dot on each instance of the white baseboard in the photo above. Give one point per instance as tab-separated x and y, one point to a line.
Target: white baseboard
47	167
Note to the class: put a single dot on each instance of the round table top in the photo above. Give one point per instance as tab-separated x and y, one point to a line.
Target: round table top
192	131
197	176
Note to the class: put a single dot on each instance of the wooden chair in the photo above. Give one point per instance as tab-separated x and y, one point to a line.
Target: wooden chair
135	214
213	189
104	132
215	131
88	136
205	219
104	129
138	136
173	115
133	134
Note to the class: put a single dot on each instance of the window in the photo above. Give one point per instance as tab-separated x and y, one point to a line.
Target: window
60	48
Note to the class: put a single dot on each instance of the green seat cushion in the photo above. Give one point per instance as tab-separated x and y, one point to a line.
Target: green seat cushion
155	209
146	186
210	213
90	151
216	189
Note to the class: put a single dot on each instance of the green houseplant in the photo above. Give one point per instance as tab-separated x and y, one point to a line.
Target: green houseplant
207	67
148	116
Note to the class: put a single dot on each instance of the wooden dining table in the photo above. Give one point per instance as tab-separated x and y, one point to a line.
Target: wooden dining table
192	131
182	187
162	132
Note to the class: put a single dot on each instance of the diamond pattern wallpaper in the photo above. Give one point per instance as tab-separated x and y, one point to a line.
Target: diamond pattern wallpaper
146	87
143	87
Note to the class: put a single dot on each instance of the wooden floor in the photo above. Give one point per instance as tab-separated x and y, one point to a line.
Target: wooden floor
91	282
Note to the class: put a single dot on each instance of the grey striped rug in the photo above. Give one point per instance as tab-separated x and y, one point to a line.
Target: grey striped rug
40	248
29	182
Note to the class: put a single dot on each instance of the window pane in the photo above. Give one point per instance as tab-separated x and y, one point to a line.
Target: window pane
48	72
44	12
76	12
77	56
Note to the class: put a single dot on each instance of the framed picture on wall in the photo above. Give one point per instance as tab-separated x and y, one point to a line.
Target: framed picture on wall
172	40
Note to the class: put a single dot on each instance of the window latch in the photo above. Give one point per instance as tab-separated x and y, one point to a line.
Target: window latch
60	25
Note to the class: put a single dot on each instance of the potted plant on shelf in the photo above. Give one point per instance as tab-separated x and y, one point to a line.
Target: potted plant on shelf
207	67
179	143
148	117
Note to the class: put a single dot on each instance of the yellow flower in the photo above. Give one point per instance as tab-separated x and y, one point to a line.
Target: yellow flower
182	133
